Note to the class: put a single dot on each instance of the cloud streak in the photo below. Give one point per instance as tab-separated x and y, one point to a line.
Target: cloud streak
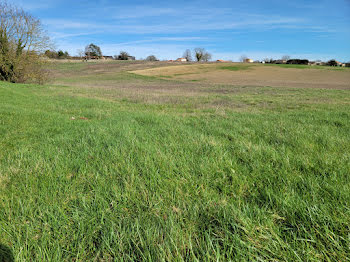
32	6
184	26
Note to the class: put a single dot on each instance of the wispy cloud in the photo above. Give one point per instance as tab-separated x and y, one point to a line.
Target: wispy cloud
32	6
59	35
162	39
184	26
146	19
64	24
144	11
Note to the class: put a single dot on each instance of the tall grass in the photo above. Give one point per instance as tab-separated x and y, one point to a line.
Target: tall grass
84	179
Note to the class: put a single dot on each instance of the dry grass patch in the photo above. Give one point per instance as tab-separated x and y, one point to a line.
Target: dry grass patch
239	74
177	70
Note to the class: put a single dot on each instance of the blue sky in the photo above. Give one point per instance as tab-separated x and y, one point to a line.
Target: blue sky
227	28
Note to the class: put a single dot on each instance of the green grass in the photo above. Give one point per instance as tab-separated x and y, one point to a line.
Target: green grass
308	67
71	66
106	77
138	181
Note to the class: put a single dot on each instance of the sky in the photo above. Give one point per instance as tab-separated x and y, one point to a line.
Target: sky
258	29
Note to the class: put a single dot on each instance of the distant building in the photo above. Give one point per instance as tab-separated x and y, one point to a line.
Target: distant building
92	57
314	63
181	59
340	63
130	57
248	60
335	63
221	61
106	57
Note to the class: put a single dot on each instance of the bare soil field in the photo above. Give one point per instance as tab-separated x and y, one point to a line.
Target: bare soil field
254	75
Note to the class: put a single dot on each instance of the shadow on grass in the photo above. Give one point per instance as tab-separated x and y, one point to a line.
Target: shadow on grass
6	254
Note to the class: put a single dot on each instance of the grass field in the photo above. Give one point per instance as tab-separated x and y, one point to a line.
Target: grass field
102	164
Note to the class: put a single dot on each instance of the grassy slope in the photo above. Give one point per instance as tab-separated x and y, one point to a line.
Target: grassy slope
140	181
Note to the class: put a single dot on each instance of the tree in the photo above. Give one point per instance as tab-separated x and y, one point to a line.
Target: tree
202	55
22	41
122	56
188	55
93	50
61	54
206	57
151	58
332	62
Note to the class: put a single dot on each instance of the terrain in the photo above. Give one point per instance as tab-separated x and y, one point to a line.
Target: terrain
256	75
157	161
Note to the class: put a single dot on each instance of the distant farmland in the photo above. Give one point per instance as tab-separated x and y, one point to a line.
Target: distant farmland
257	75
157	161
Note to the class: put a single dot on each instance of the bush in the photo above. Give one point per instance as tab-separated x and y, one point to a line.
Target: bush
151	58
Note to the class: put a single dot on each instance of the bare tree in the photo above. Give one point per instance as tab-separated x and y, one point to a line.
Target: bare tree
80	53
286	57
206	57
243	58
22	40
188	55
202	55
